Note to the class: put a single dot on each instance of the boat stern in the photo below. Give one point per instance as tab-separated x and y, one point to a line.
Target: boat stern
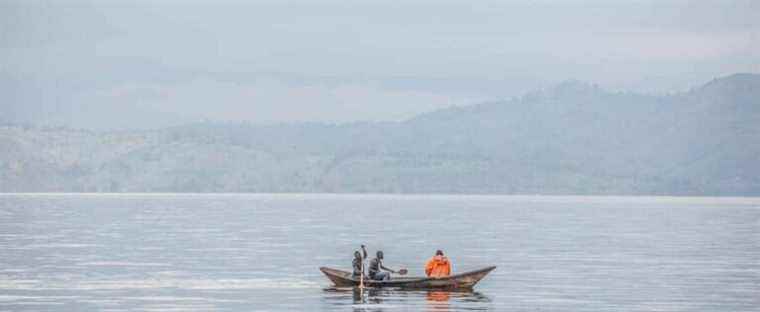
338	277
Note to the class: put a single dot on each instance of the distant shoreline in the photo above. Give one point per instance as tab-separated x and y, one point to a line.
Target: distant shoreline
503	197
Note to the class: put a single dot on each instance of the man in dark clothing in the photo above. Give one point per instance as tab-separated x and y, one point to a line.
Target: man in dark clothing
358	262
376	265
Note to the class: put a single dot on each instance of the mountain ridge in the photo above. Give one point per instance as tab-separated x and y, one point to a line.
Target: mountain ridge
575	138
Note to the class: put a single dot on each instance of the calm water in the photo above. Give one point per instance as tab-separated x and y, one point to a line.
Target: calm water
261	252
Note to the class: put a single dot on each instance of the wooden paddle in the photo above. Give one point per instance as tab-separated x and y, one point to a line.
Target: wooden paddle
361	274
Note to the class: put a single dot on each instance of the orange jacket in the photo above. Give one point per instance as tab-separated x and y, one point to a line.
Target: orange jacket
438	266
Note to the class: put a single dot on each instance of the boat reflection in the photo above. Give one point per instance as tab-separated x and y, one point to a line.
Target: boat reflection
438	300
374	299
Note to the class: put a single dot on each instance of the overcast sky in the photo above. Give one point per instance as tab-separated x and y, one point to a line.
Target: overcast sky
134	64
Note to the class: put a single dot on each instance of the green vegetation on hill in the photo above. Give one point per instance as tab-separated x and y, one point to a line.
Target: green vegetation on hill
571	139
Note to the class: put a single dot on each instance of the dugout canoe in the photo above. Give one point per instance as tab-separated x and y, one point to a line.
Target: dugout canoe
458	281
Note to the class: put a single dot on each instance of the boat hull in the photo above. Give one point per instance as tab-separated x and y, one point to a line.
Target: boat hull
465	280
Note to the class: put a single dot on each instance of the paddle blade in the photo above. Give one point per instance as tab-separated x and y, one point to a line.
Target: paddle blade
402	272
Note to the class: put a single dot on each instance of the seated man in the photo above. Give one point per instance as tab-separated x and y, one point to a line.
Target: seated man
374	269
438	265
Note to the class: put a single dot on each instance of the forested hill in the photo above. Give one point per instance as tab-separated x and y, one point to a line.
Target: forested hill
574	138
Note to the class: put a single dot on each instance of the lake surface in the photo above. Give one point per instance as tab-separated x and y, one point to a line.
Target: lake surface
234	252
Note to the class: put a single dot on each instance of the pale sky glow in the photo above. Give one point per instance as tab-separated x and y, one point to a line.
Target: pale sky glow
347	61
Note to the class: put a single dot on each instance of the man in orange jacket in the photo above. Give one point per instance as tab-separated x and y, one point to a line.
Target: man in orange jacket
438	265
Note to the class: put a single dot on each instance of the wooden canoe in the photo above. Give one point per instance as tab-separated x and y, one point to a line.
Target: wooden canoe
458	281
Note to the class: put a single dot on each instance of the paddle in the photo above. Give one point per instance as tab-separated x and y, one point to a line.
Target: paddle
401	272
361	271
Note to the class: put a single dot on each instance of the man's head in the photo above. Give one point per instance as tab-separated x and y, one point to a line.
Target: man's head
379	254
357	255
439	252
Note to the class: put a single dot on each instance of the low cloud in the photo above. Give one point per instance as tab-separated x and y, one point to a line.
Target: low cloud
267	101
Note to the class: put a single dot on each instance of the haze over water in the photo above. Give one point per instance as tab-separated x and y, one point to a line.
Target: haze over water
162	252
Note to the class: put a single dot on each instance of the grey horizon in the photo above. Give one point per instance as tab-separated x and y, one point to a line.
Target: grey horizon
153	64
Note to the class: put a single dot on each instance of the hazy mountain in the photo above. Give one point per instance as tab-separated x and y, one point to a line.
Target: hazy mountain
574	138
